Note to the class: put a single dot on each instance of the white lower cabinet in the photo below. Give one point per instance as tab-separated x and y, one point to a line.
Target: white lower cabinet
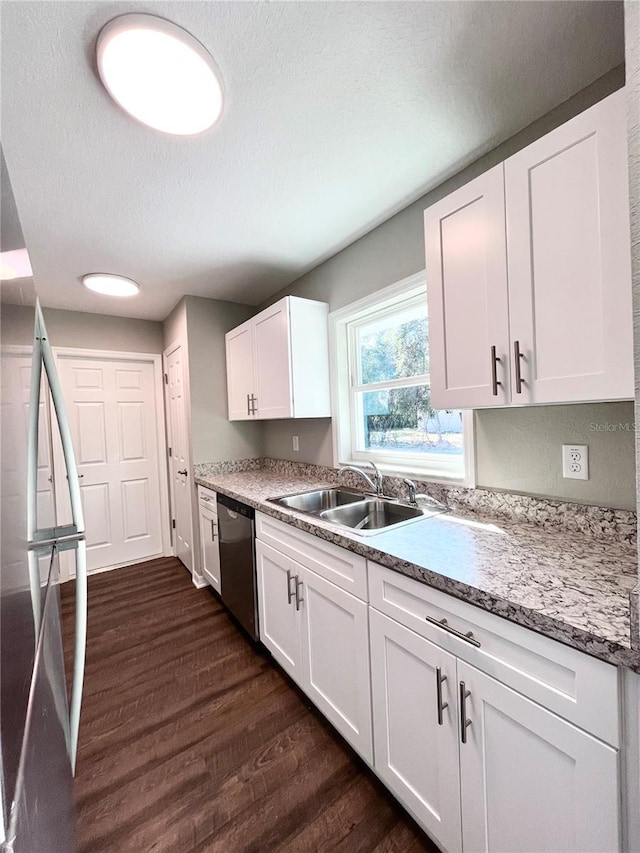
209	545
531	781
482	768
319	634
414	726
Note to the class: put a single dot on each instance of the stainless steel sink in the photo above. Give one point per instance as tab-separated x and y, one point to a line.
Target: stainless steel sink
363	514
319	500
373	514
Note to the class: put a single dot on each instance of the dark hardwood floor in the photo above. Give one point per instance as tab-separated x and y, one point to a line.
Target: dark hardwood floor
190	740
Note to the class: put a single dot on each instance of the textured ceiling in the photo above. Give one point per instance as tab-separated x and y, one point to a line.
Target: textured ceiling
338	115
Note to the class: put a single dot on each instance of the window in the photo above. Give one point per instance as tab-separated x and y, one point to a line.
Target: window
381	395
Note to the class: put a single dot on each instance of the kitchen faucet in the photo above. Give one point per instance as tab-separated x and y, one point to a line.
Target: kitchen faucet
413	498
376	486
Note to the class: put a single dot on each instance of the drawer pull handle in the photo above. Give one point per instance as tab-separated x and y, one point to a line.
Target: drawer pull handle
442	623
518	357
441	705
290	594
464	722
299	598
213	530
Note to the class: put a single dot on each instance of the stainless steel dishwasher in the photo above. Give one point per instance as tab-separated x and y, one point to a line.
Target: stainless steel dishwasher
236	528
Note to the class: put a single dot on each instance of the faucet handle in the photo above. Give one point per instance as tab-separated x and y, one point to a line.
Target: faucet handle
412	491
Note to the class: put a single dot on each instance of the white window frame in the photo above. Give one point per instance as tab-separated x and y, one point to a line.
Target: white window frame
343	324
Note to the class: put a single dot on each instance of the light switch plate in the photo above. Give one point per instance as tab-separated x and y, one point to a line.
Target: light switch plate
575	461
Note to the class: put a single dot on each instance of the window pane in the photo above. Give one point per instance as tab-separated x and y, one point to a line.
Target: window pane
402	420
393	347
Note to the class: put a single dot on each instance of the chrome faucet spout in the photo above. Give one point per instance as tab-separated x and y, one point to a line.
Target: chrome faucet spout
376	486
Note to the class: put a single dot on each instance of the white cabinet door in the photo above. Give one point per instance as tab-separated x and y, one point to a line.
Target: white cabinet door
240	378
531	782
335	651
467	294
279	618
273	362
416	747
567	210
209	546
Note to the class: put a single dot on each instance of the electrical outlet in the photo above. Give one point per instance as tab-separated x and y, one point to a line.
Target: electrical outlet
296	443
575	461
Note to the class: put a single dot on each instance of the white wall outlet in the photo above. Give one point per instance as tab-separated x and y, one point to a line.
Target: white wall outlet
575	461
296	442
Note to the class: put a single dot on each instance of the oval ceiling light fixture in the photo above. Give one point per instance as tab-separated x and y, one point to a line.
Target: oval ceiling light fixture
160	74
110	285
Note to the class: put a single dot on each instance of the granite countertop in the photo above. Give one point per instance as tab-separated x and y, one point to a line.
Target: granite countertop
568	586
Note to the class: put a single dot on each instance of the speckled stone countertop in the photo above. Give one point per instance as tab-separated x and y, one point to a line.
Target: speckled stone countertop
568	586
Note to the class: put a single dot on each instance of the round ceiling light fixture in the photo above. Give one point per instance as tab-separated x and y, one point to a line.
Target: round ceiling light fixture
110	285
160	74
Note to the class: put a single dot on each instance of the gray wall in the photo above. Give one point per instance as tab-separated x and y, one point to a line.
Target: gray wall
394	251
84	331
215	438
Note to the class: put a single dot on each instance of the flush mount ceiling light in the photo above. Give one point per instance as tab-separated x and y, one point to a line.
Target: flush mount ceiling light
110	285
15	264
160	74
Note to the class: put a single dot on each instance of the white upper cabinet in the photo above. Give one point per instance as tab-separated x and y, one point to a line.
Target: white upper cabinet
533	258
569	261
278	363
467	295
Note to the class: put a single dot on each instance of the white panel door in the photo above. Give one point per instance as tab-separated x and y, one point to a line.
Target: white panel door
279	618
179	464
112	413
272	351
209	545
467	295
567	209
416	748
335	652
532	782
240	374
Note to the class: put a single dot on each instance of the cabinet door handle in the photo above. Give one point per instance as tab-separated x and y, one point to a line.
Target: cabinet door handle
213	530
494	372
442	623
249	404
464	722
183	473
518	356
254	404
299	598
290	594
440	678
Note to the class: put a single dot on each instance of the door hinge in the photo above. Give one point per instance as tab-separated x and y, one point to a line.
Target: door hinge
173	523
166	379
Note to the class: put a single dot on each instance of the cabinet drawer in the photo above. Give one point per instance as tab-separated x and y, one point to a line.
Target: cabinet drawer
207	499
341	567
564	680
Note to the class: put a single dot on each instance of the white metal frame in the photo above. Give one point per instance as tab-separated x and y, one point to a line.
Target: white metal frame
342	326
156	360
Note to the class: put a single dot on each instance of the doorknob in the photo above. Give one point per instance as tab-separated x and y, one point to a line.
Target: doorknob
184	473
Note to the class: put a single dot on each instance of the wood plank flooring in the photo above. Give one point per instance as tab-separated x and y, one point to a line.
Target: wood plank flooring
191	740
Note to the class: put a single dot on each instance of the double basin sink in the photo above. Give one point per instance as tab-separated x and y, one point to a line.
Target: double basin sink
364	514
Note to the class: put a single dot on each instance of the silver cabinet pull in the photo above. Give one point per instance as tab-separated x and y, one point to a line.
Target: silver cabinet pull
299	598
213	530
442	623
254	404
290	594
518	356
494	372
440	678
464	722
248	404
